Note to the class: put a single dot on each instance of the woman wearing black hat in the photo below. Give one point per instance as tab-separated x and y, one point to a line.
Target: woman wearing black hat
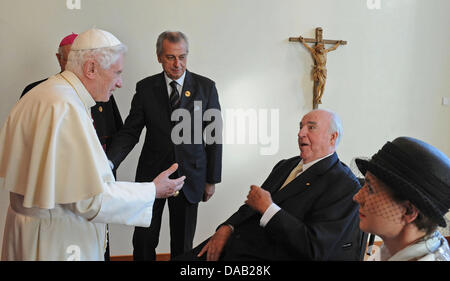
404	199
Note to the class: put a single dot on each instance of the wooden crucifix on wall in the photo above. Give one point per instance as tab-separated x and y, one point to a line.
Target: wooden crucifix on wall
319	54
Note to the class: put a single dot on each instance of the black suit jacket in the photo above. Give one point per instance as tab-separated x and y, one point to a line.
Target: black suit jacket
318	219
199	162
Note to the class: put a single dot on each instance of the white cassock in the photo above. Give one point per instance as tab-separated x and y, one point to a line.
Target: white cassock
62	190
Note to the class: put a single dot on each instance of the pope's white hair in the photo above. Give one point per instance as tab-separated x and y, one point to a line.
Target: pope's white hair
104	56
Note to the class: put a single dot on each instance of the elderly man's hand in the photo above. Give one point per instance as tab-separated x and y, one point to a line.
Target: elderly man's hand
215	244
166	187
259	199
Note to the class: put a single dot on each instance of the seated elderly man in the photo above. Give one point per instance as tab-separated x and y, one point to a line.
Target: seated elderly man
404	199
303	211
62	189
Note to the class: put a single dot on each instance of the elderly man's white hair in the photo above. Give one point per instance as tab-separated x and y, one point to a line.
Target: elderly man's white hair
96	44
335	124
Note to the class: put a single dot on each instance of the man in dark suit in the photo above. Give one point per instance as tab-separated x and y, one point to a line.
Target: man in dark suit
156	98
106	115
303	211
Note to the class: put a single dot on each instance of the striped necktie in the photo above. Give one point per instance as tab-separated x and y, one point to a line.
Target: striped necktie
174	96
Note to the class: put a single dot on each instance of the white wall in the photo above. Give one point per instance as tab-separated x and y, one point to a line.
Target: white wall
388	81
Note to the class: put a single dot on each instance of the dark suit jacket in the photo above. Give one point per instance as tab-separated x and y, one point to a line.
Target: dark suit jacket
107	121
318	219
200	163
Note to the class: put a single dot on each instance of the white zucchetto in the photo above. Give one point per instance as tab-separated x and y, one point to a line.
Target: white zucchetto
94	39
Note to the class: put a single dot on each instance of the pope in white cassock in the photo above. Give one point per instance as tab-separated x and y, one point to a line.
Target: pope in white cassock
62	190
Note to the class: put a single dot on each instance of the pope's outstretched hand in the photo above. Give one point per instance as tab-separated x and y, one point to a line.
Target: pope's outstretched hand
166	187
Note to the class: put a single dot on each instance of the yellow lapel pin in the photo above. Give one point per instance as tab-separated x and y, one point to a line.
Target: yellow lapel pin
187	94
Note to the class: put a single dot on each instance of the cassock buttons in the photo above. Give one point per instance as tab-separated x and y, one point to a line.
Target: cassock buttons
187	94
100	109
